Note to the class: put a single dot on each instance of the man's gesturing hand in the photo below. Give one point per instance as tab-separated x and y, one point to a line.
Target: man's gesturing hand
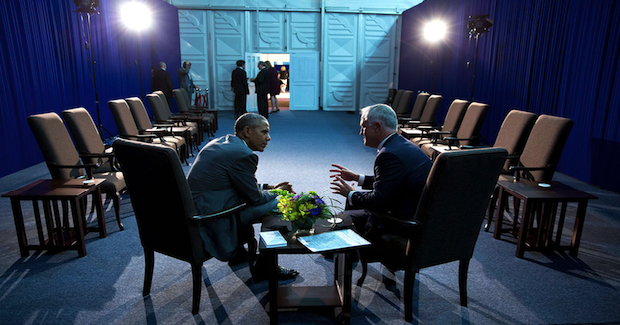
339	186
344	173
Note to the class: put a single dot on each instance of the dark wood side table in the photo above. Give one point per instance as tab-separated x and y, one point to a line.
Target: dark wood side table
547	198
60	234
338	295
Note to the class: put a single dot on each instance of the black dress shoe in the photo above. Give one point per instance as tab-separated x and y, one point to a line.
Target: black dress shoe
285	274
282	274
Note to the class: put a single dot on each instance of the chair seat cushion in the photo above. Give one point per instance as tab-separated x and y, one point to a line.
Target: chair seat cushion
114	181
391	253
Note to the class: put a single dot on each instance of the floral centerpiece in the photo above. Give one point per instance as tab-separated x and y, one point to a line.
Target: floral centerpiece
302	209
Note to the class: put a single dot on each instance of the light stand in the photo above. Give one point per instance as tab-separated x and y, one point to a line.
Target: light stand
140	69
477	25
88	7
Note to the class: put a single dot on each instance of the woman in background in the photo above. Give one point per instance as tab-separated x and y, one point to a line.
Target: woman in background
274	82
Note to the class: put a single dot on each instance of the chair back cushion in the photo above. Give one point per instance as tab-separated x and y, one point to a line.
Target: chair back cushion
86	136
390	97
472	123
405	103
187	98
397	97
55	144
513	133
544	146
161	199
429	115
455	114
453	203
123	118
418	106
138	111
181	100
160	113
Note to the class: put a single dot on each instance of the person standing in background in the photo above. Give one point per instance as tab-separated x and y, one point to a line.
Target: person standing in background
274	85
262	89
185	79
161	80
239	85
284	77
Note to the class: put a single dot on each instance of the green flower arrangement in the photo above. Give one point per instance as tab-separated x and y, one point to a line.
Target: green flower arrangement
302	207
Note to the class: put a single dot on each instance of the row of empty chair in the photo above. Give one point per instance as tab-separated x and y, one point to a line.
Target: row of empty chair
63	161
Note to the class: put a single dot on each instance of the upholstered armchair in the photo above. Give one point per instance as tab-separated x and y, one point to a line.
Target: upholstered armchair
445	226
127	129
162	115
167	220
452	122
416	110
143	122
468	133
429	114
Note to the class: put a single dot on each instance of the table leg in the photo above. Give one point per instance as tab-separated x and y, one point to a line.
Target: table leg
579	219
37	219
344	275
551	225
22	240
78	227
271	260
558	236
523	230
54	237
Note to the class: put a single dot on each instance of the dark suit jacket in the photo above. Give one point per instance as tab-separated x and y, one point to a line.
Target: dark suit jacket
223	176
401	169
184	80
239	81
262	82
161	81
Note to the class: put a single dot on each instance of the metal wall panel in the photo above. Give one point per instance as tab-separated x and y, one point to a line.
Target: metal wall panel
228	46
377	65
193	32
303	31
341	60
271	35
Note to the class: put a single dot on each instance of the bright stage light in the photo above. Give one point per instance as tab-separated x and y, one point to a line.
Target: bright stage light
435	30
136	16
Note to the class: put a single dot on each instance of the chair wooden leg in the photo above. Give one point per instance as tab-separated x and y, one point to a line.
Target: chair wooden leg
197	283
408	299
491	209
149	263
463	268
116	199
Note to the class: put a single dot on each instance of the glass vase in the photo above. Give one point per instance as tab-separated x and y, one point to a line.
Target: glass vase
302	227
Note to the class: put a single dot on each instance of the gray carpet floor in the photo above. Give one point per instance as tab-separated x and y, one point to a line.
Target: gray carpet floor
105	286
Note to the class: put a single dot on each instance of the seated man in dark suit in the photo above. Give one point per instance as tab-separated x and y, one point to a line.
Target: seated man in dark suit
400	173
222	176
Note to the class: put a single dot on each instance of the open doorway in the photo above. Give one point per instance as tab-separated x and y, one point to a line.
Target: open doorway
281	63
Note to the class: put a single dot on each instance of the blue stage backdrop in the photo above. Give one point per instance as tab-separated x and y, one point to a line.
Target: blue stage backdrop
47	67
548	57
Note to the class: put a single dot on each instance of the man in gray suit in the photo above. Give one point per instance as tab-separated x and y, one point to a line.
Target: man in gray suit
185	79
222	176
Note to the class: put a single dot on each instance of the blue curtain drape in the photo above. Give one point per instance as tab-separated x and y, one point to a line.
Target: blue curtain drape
47	67
548	57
